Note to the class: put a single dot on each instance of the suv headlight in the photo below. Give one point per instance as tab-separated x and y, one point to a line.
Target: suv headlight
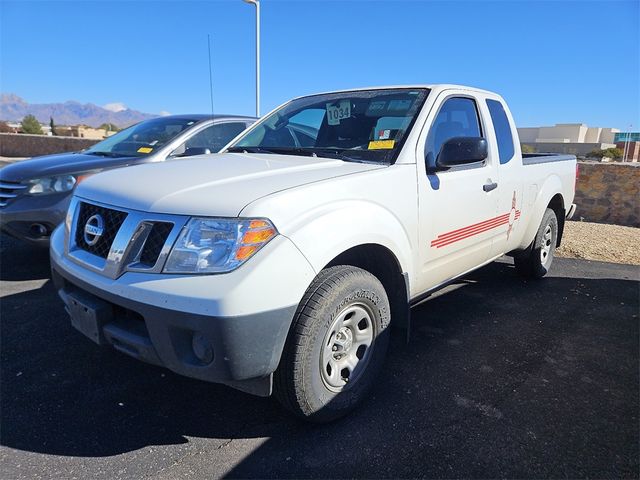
217	245
55	184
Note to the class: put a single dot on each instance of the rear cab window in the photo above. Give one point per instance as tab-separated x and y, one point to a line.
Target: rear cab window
502	127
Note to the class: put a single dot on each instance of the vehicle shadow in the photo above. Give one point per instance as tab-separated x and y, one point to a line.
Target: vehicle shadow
20	261
502	377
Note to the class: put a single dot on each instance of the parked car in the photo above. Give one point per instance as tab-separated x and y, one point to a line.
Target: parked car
276	267
35	193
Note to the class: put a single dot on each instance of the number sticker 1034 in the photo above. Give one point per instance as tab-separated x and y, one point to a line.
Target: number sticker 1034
338	112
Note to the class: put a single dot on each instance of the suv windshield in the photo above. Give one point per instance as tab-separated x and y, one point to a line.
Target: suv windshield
364	125
143	138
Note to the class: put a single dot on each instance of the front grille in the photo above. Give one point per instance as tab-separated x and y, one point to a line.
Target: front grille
9	191
154	243
112	222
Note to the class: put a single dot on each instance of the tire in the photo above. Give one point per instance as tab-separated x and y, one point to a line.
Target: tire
344	308
537	260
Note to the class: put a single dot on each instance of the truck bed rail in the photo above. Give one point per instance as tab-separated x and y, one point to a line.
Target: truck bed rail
535	158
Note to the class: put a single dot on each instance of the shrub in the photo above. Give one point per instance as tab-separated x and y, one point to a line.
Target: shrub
30	124
614	153
528	149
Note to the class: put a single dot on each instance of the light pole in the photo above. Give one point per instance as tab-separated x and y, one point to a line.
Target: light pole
627	144
257	4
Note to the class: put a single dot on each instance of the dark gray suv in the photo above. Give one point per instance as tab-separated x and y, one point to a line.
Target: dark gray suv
35	193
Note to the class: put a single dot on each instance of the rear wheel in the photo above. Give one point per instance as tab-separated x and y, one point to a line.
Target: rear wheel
336	345
537	260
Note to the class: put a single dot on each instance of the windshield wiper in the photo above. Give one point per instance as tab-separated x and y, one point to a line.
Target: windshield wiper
331	153
249	150
308	152
103	154
336	153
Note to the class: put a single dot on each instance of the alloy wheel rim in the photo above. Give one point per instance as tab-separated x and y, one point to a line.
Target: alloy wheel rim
347	347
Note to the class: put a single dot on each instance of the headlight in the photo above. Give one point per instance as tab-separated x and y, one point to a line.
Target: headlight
216	245
57	184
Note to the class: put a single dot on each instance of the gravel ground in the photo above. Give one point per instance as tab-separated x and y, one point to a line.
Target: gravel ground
596	241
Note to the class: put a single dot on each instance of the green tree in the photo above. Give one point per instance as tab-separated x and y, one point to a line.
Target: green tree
528	149
614	153
30	124
52	126
109	127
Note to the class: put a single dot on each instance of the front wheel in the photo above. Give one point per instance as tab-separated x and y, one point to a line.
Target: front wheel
536	261
336	345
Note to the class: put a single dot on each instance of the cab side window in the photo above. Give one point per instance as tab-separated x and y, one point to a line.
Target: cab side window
212	138
216	136
458	117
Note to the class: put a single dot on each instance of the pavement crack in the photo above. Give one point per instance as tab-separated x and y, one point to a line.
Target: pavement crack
222	445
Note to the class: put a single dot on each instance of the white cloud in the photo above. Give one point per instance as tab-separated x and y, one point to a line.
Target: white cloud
115	107
164	113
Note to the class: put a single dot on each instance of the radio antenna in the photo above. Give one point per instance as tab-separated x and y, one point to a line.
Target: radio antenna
210	73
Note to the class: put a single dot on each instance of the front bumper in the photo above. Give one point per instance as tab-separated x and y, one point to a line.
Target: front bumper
165	319
21	216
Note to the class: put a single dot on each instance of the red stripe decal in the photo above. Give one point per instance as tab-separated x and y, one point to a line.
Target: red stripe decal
471	230
460	230
475	226
441	242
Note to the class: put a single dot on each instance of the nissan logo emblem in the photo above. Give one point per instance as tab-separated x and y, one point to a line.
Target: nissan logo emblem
93	230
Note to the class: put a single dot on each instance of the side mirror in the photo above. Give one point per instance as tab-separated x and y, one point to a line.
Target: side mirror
462	151
196	151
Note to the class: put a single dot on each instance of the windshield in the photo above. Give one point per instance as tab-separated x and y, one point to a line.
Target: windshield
143	138
365	125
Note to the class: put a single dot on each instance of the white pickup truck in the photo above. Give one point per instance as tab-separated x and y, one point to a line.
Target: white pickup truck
280	264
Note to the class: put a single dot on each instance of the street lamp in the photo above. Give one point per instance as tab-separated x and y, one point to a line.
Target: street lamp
257	4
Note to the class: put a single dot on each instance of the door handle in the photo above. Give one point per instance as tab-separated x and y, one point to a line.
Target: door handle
489	186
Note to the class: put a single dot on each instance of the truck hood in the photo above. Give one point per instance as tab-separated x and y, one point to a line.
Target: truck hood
61	164
210	185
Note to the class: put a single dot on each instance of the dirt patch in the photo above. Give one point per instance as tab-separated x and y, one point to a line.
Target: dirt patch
596	241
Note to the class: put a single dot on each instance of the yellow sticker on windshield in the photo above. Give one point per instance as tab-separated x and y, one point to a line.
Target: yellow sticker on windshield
145	150
381	144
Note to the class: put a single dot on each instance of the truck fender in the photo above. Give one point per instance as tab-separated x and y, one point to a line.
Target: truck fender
342	225
552	186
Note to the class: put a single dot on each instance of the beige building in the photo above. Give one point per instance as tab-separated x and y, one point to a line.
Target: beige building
568	133
573	138
82	131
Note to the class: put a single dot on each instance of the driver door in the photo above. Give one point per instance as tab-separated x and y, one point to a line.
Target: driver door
456	212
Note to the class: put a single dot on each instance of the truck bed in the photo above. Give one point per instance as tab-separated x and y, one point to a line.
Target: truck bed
535	158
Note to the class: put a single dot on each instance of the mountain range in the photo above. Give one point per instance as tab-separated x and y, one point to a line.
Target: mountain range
13	108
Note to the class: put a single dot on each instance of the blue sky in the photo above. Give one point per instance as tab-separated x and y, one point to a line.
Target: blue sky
554	62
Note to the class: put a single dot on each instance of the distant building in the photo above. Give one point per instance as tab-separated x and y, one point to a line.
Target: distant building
82	131
626	137
568	133
629	143
572	138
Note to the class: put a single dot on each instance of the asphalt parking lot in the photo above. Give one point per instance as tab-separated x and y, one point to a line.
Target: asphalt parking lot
501	378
